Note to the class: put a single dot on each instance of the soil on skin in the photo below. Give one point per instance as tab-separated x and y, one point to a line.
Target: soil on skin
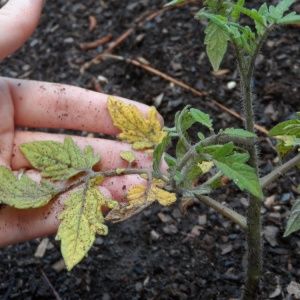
162	253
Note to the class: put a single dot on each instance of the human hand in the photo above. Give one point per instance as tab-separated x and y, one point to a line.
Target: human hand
34	104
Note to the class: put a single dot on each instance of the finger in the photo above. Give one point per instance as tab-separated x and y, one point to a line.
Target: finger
108	150
22	225
6	124
40	105
18	19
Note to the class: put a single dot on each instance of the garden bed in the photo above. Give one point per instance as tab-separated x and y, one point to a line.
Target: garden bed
163	253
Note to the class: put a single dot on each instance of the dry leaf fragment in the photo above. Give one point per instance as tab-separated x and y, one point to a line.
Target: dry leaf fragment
139	197
141	132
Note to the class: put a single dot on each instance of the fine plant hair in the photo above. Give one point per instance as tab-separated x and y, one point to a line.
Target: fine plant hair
200	165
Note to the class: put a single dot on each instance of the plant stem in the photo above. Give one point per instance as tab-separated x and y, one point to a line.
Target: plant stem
223	210
279	171
253	233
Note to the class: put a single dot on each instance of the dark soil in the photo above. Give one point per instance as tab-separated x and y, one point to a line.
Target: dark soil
161	254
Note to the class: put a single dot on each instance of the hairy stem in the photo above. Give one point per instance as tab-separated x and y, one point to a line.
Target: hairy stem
279	171
223	210
254	228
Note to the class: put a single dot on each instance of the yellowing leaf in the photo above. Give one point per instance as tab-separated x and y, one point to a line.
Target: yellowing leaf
139	197
23	192
137	130
205	166
128	156
59	161
80	220
163	197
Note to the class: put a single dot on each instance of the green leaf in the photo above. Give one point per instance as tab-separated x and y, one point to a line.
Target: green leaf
170	160
276	12
217	151
291	18
23	192
242	175
238	132
180	149
290	127
59	161
254	15
80	220
293	223
193	172
216	41
158	153
183	121
218	20
236	12
201	117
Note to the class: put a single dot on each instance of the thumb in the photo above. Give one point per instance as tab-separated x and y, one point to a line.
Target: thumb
18	19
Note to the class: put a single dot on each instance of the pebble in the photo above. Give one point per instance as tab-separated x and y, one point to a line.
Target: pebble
231	85
170	229
154	235
202	220
138	286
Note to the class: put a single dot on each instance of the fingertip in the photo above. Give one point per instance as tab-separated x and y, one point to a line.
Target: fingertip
18	19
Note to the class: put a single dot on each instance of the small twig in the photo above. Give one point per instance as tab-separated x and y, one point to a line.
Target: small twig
96	43
279	171
137	23
223	210
120	172
55	293
183	85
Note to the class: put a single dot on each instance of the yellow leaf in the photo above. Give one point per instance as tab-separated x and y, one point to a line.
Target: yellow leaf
163	197
128	156
205	166
80	220
137	130
139	198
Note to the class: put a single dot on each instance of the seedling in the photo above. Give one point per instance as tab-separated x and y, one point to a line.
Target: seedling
197	167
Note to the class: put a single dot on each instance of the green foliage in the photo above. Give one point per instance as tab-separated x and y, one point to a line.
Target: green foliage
287	134
293	223
238	132
59	161
22	192
224	26
201	117
158	153
216	41
234	165
242	174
